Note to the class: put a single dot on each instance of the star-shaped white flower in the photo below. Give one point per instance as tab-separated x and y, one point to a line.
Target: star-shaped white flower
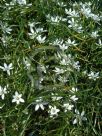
79	117
63	47
94	34
57	42
67	106
71	13
17	98
7	68
93	75
62	79
59	71
55	19
39	104
86	11
3	91
74	90
55	97
53	111
21	2
75	25
74	98
70	43
41	39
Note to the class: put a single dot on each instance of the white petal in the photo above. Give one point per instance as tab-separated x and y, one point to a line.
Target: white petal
36	107
13	100
57	110
50	106
2	96
83	112
8	72
5	90
20	95
2	67
84	118
16	93
17	101
10	65
77	112
32	30
75	121
5	65
42	107
21	100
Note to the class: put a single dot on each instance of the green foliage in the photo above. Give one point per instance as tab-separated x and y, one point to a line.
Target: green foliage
50	68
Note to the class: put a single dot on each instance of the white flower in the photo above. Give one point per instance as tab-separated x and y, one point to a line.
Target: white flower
73	90
62	79
74	24
57	42
43	68
7	68
71	13
3	91
93	75
33	30
87	4
5	28
70	43
53	111
17	98
39	104
8	30
79	117
55	19
59	71
55	97
27	63
74	98
66	60
32	34
76	65
41	39
32	24
94	34
84	72
61	4
4	40
95	17
86	11
21	2
12	3
63	47
40	30
67	106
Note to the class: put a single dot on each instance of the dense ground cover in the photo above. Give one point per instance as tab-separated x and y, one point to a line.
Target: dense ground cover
50	68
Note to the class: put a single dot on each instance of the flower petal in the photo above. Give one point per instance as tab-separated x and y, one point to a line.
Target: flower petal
36	107
75	121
